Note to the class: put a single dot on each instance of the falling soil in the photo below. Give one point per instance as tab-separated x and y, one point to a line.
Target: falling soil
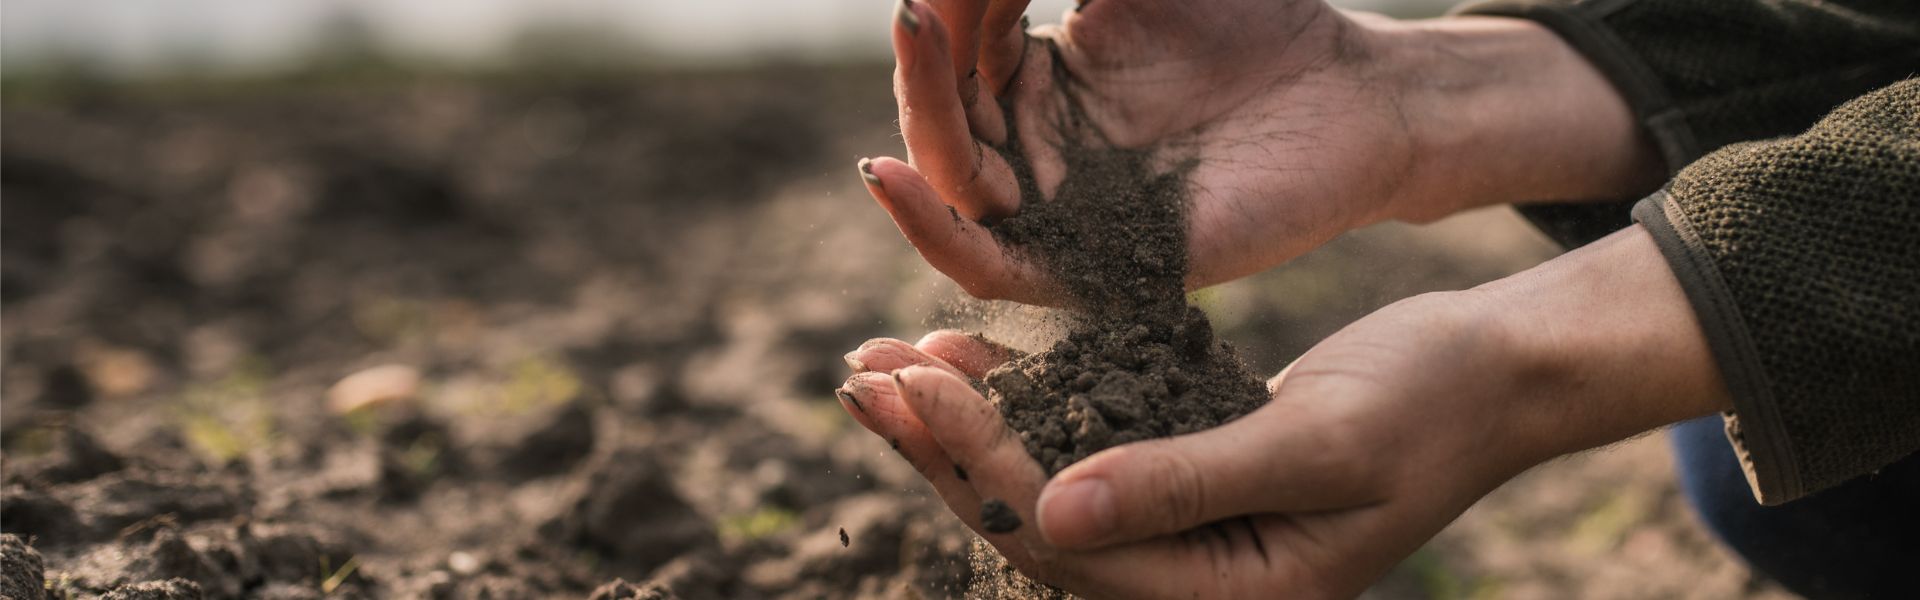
1137	362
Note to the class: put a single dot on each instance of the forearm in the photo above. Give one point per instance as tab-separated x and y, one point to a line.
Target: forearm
1602	345
1504	111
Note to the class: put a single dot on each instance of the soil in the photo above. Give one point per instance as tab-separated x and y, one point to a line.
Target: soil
997	517
1136	362
682	258
606	373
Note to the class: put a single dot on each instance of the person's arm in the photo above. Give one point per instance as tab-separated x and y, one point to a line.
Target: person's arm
1801	256
1701	74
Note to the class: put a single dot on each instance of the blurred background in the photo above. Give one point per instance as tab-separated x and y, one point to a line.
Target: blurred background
457	298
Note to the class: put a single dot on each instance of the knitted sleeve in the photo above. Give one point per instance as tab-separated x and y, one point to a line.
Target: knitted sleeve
1801	255
1701	74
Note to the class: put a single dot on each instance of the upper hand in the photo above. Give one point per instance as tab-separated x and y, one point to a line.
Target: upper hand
1294	142
1302	122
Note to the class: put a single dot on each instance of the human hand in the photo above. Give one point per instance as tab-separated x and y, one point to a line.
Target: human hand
1300	121
1374	440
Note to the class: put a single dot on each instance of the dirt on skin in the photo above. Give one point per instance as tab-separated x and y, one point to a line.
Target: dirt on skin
679	258
1137	362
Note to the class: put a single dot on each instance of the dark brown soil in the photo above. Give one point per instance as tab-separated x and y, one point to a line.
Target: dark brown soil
623	297
997	517
1137	362
188	270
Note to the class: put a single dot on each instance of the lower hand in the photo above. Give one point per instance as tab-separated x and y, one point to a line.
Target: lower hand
1374	440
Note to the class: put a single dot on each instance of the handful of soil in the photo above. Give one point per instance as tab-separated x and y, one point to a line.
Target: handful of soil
1137	362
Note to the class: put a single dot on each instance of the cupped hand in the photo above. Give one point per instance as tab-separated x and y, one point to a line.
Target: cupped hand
1314	495
1293	135
1373	441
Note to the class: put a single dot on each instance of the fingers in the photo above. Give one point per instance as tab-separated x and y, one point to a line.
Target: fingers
886	355
1272	461
973	355
974	437
1003	41
962	18
873	399
958	247
934	118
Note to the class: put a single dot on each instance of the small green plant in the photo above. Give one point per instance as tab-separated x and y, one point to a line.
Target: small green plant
422	457
538	382
332	579
1442	583
758	524
60	588
226	418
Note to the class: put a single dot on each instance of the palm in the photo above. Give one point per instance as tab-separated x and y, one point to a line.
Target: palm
1265	99
917	397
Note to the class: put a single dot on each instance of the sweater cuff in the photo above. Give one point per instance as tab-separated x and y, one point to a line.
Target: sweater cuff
1582	26
1754	426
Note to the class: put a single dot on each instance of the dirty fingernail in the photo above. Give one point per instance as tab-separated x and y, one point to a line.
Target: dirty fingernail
904	13
854	363
1082	6
1079	512
848	396
866	172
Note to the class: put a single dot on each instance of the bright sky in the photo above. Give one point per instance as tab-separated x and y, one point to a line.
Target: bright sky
135	35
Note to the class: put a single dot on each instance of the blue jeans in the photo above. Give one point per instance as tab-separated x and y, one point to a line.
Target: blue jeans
1858	540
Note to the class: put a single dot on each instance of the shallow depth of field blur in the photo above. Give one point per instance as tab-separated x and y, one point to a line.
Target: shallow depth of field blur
591	266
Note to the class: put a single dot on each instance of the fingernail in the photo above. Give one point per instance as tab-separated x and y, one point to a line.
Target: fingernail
904	13
1082	6
1079	512
843	394
1025	23
854	363
866	172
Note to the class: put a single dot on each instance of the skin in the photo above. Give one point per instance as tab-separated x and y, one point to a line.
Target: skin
1306	122
1374	440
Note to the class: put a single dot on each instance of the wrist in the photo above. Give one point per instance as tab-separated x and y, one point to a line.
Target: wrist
1503	111
1601	345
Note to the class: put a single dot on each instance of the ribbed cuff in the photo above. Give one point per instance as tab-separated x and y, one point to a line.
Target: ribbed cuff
1754	426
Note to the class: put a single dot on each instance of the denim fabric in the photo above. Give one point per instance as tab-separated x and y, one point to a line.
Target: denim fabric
1860	539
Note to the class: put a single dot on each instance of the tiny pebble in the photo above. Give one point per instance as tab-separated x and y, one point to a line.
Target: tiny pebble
463	563
844	541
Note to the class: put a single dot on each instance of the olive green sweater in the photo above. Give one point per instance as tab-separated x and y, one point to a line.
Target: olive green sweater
1793	226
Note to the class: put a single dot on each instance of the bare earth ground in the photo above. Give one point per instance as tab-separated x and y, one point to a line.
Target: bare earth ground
610	312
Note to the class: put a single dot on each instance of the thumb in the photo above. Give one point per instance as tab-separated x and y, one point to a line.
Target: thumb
1157	487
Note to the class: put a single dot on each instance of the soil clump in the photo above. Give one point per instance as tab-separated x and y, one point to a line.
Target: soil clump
1137	362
